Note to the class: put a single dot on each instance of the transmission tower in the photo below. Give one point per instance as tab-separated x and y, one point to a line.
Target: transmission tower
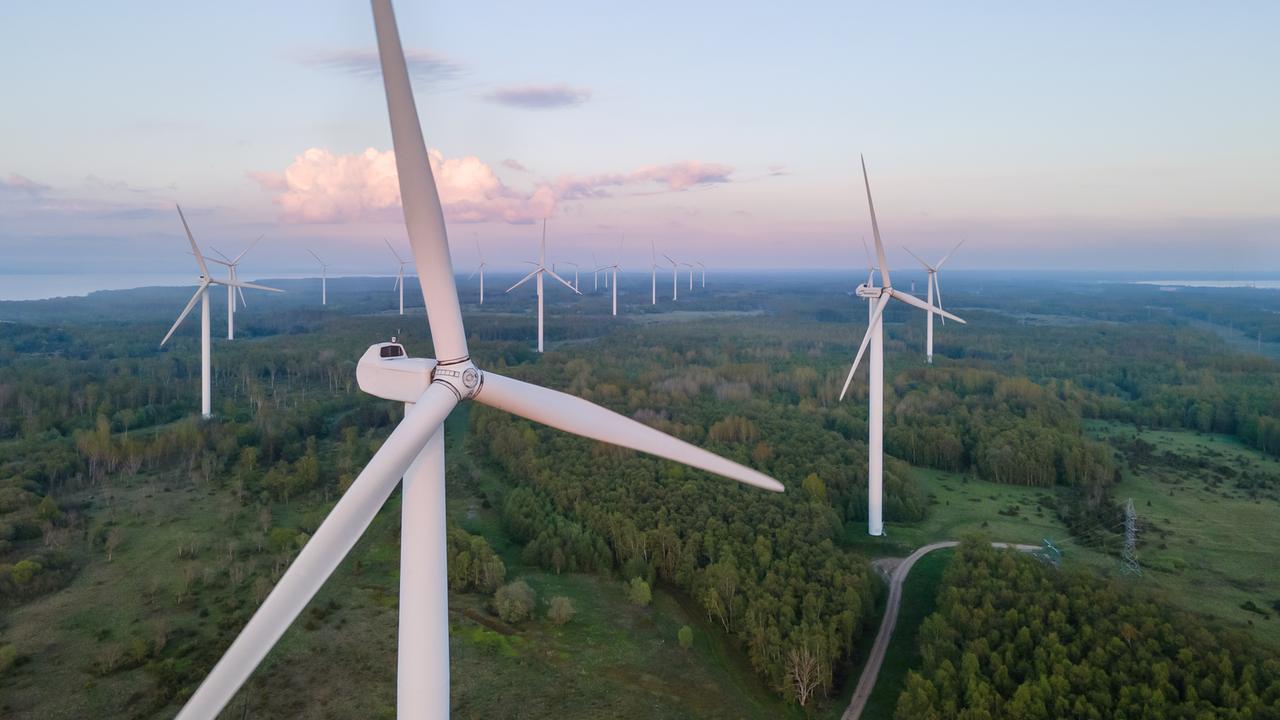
1129	558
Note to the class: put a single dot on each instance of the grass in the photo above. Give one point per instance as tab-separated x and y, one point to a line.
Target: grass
1208	545
919	599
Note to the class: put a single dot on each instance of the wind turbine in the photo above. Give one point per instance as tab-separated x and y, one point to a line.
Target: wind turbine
575	273
480	270
233	276
538	271
653	271
675	277
324	279
877	299
399	273
933	290
202	294
431	389
595	274
690	266
704	273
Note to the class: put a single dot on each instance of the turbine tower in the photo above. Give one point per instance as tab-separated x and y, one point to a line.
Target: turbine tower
877	299
480	270
537	273
690	266
595	274
324	279
202	294
431	389
704	274
233	276
933	291
399	273
614	267
575	273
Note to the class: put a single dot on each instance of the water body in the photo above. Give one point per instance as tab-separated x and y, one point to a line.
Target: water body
1259	284
47	286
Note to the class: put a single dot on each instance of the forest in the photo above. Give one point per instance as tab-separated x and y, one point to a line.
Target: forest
1014	637
103	462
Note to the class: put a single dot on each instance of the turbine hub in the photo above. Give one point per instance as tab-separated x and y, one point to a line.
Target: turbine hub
461	376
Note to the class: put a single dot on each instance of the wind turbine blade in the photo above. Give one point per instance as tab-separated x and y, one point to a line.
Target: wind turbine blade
195	250
423	216
185	311
871	264
222	255
323	552
393	250
917	302
875	229
923	264
668	257
948	255
240	292
937	294
253	286
564	282
523	280
246	250
317	257
215	260
871	326
577	416
399	276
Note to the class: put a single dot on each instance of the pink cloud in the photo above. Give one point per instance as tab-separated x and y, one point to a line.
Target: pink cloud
320	186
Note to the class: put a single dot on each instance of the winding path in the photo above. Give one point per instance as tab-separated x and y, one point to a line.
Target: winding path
871	671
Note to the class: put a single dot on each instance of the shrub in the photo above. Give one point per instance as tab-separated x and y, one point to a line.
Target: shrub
685	636
639	592
515	601
561	610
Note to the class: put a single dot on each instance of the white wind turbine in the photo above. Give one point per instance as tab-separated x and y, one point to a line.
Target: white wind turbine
324	279
537	273
690	266
877	299
479	270
399	273
934	290
704	273
414	451
233	276
574	265
202	294
675	277
614	267
595	274
653	271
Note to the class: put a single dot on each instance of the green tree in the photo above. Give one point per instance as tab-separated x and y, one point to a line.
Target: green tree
515	601
560	610
638	592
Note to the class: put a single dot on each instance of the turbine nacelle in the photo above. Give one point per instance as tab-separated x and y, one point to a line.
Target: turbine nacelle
386	371
870	292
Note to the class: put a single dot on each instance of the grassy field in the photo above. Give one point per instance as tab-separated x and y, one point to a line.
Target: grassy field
1210	545
919	598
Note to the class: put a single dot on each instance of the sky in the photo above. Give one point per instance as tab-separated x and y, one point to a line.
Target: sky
1120	136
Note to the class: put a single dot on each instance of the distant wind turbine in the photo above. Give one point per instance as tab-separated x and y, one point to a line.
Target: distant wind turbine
202	295
690	266
480	270
933	290
614	267
415	451
653	271
877	299
537	273
675	277
399	273
704	273
233	276
324	278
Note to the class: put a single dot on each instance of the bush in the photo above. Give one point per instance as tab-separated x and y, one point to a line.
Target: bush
515	601
25	571
8	655
639	592
685	636
561	610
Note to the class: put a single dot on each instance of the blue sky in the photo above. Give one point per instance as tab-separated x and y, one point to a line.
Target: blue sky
1096	135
